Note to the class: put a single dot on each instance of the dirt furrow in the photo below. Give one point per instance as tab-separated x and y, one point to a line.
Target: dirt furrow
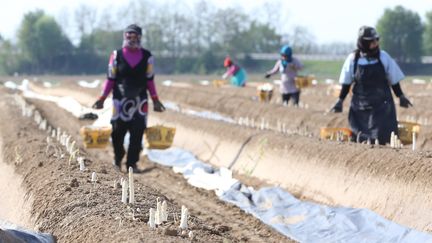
221	218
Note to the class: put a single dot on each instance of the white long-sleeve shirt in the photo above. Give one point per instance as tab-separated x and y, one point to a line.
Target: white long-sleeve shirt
288	75
393	72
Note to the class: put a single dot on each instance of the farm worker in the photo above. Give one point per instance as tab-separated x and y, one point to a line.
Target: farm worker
288	66
238	74
372	71
130	76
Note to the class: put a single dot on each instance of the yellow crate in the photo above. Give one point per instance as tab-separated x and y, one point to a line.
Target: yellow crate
265	95
303	81
331	133
334	90
406	129
95	137
265	92
159	137
219	83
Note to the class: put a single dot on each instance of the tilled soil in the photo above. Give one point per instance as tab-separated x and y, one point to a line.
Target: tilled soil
74	209
306	119
393	183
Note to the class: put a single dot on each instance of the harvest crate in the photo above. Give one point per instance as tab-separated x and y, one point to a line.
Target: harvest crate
333	133
160	137
95	137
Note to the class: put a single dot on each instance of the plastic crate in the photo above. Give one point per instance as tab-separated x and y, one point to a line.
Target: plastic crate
219	83
303	81
160	137
265	92
95	137
334	90
406	129
332	133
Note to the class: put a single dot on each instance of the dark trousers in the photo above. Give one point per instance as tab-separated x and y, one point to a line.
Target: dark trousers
136	128
295	97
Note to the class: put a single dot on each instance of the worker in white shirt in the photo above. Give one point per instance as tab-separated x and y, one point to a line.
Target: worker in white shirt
372	72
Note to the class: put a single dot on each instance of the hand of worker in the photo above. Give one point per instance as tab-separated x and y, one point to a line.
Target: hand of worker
99	104
337	108
158	106
267	75
404	102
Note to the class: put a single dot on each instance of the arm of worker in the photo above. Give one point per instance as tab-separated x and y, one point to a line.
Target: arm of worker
345	79
403	100
225	75
274	70
338	107
151	87
231	70
109	82
394	75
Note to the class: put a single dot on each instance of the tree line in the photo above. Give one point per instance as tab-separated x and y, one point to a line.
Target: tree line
189	41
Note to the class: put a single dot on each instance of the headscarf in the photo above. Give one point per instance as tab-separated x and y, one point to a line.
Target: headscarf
133	44
227	62
366	36
287	52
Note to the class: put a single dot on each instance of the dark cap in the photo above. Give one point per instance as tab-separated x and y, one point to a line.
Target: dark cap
133	28
368	33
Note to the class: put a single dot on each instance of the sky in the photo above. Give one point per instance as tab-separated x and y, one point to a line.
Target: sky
328	21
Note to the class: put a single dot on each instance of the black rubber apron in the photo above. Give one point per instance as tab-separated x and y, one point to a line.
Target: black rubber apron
372	114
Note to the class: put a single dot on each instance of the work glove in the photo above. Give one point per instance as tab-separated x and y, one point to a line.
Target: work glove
99	103
158	106
404	102
337	108
267	75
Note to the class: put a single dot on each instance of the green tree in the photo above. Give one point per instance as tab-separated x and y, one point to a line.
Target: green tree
227	27
7	62
427	37
401	34
91	56
257	38
43	43
101	42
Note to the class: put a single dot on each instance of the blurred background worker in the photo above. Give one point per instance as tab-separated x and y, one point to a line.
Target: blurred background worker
238	74
372	113
288	66
130	75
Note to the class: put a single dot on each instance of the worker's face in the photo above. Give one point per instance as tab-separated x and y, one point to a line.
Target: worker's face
374	44
132	39
284	57
131	36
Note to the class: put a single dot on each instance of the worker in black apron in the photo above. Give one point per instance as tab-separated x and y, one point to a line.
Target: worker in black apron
130	77
372	72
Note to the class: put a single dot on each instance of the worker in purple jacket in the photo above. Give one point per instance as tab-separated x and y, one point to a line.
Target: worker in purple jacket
130	76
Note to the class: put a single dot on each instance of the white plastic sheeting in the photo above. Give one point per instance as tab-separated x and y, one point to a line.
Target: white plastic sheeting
196	172
301	221
65	102
47	84
13	233
90	85
203	114
74	107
